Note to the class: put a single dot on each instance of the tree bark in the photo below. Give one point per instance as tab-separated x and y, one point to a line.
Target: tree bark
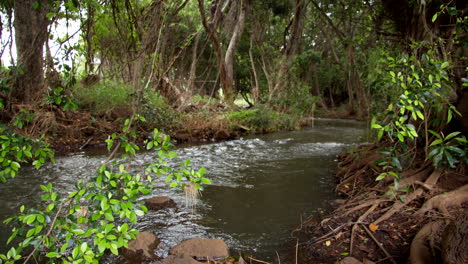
292	47
255	85
30	35
230	52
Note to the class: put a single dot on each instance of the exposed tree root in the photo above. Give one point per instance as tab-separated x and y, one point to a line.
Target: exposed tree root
421	252
442	202
398	205
390	223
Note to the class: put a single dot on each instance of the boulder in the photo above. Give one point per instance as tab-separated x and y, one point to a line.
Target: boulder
178	259
159	202
141	249
222	135
202	248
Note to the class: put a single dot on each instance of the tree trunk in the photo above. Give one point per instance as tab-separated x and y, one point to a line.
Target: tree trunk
354	84
292	47
229	58
30	35
193	65
255	85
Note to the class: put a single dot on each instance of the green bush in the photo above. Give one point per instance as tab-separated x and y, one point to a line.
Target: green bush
102	97
263	119
158	113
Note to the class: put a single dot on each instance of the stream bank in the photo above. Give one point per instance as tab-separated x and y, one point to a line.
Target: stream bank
261	187
424	223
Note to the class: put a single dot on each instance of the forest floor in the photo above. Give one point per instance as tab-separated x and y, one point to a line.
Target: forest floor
425	221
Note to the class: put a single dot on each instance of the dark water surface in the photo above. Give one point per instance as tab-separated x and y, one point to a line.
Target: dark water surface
260	187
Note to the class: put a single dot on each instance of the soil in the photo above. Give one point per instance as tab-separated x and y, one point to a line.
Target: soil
370	225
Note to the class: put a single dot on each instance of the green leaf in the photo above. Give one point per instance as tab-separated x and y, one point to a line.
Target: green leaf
444	65
64	247
84	247
420	115
139	212
109	216
75	252
52	255
434	17
50	207
452	135
381	176
150	145
30	232
206	181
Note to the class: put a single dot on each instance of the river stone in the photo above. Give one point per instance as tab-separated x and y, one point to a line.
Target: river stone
141	249
178	259
202	248
159	202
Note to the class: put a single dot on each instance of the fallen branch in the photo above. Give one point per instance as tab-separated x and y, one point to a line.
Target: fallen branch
360	219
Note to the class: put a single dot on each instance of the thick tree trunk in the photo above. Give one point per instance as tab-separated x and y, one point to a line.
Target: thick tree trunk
30	35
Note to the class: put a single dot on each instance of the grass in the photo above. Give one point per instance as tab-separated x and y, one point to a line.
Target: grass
102	97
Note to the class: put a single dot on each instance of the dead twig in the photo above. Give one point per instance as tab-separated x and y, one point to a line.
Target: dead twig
259	261
379	244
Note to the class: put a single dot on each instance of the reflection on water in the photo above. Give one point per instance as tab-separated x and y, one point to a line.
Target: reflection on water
260	187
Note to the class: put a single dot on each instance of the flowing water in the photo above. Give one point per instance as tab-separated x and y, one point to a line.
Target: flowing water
261	187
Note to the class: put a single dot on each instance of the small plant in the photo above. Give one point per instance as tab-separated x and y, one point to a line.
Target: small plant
421	106
24	117
96	216
57	97
17	149
448	150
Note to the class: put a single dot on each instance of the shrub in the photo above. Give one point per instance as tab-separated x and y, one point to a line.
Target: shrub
158	113
102	97
263	119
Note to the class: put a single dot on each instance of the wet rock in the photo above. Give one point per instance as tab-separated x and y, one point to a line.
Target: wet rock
202	248
178	259
141	249
222	135
159	202
350	260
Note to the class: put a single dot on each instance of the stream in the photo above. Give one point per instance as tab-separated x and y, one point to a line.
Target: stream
261	187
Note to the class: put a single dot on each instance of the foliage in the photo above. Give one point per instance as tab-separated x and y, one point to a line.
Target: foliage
93	218
263	119
103	97
448	150
158	113
422	107
17	149
7	77
57	97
